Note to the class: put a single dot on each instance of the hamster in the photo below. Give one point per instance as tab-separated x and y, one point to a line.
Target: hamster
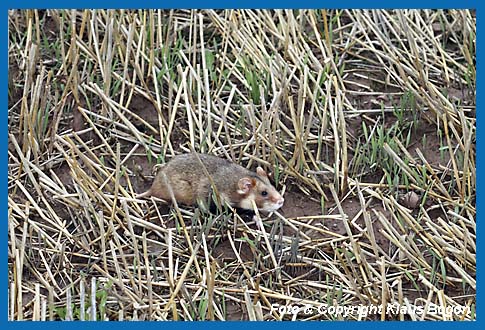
234	184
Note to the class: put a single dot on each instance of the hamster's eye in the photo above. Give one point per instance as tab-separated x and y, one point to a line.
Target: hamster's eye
264	193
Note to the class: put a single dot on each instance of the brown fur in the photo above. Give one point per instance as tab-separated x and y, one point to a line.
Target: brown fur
186	177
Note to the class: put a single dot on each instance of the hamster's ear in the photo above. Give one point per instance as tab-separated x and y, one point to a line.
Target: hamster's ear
261	172
245	185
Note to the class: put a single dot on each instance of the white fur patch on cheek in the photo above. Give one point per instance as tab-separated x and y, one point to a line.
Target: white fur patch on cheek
246	203
270	207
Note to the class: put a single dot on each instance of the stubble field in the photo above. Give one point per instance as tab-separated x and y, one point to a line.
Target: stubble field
366	120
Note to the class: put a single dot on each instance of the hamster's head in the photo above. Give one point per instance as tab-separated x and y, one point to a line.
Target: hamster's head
258	189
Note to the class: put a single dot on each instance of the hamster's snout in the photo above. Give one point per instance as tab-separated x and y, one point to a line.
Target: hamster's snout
280	202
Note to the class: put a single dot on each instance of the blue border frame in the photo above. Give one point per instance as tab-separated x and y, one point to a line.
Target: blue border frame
221	4
235	4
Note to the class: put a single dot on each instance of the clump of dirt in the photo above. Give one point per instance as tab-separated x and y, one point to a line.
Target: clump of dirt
145	109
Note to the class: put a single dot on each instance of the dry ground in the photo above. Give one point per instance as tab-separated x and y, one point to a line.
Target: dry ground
365	118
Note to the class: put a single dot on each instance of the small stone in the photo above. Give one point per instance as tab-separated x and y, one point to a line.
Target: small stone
410	200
